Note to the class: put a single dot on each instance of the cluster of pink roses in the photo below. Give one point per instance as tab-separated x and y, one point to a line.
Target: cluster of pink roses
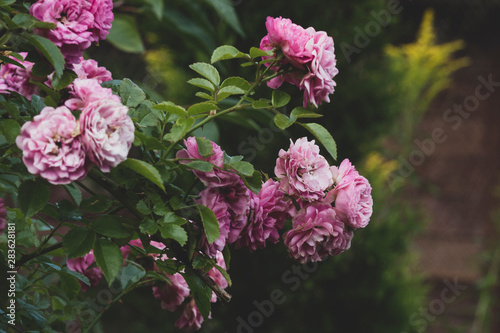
61	148
79	23
306	55
318	228
245	218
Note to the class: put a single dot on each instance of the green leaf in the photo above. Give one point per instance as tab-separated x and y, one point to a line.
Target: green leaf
148	226
171	108
78	242
243	168
203	107
203	263
202	83
236	81
256	52
210	223
69	284
208	71
172	218
228	91
124	34
201	292
179	130
62	82
203	95
156	7
111	226
131	94
224	274
24	20
96	204
10	129
6	2
225	52
280	98
174	232
261	104
130	274
75	192
253	183
77	275
283	122
205	147
146	170
108	257
49	51
323	136
203	166
226	12
33	196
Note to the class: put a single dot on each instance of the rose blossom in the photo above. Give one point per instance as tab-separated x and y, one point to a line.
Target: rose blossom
212	198
3	216
51	146
107	133
190	317
216	275
173	293
87	91
309	51
89	69
81	265
15	78
352	195
302	171
268	212
316	233
238	199
78	23
216	177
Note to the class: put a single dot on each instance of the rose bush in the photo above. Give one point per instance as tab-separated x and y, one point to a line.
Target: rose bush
144	201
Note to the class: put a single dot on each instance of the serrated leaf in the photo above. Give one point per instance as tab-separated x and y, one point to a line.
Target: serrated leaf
203	107
49	51
324	137
174	232
33	196
75	192
226	11
282	121
203	95
171	108
231	90
242	167
236	81
65	80
205	147
210	223
124	34
256	52
130	274
69	284
10	129
253	183
131	94
108	257
78	242
224	274
110	226
208	71
78	275
148	226
226	52
201	292
280	98
261	104
179	130
202	83
203	166
146	170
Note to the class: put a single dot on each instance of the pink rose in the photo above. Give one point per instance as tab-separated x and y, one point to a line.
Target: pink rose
82	265
216	275
3	216
217	177
15	78
89	69
107	133
213	199
268	212
302	171
51	146
87	91
172	294
78	23
190	317
316	233
352	195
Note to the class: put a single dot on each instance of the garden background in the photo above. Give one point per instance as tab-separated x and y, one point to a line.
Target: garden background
429	260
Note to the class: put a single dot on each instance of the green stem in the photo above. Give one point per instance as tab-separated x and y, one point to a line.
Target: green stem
37	253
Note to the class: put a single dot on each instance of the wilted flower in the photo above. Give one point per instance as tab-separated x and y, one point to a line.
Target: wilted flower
107	133
302	171
15	78
352	196
316	233
51	146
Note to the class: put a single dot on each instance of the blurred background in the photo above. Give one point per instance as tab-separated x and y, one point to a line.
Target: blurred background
416	109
